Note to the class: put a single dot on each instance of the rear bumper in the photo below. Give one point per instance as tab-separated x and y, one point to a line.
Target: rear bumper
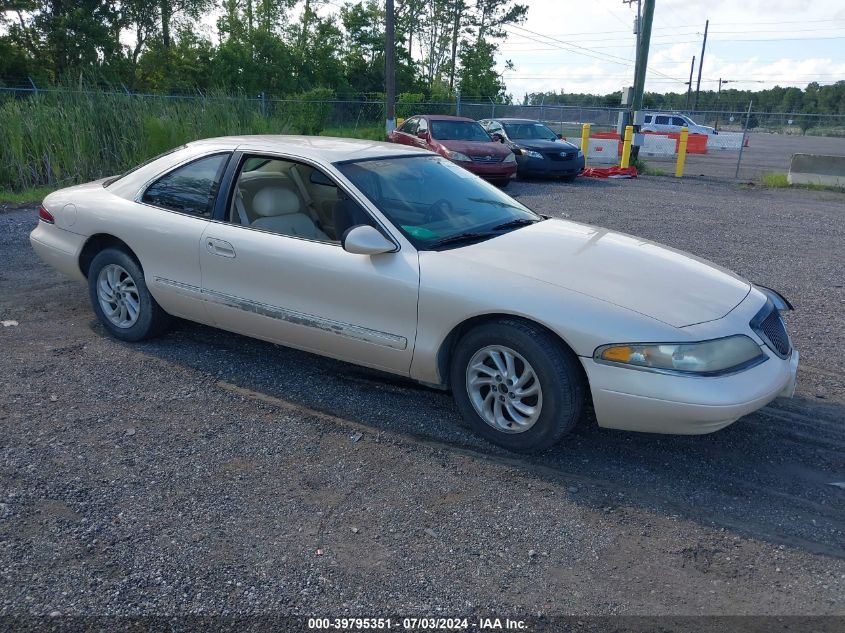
656	403
58	248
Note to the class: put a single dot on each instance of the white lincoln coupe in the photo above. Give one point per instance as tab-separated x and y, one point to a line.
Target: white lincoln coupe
397	259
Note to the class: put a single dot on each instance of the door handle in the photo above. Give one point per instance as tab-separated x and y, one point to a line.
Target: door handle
219	247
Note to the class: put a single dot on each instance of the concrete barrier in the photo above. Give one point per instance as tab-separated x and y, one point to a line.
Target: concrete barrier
599	151
657	145
816	169
725	140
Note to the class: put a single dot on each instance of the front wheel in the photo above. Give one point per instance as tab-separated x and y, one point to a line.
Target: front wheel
120	297
517	385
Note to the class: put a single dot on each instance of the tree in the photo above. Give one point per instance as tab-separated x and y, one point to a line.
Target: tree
172	12
478	76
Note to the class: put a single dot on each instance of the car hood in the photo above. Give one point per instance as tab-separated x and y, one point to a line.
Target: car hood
546	146
476	147
660	282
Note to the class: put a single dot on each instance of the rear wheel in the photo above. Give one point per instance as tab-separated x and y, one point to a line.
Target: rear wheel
570	178
120	297
501	184
517	385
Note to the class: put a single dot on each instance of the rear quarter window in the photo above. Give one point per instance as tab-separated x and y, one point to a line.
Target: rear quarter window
191	188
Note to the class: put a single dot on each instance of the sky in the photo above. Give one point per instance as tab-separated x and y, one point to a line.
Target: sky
589	45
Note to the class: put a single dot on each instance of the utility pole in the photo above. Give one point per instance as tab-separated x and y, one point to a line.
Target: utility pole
701	64
390	68
689	83
644	40
639	23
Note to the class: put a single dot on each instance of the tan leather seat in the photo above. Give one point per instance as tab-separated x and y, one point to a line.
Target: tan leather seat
280	210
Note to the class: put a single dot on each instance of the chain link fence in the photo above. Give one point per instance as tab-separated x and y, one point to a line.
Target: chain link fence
58	136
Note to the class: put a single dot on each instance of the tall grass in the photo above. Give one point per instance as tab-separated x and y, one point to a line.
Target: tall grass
66	137
775	179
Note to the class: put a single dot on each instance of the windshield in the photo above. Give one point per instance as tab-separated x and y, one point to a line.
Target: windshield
430	199
458	131
529	131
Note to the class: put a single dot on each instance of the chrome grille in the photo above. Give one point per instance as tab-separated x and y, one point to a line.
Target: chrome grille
487	158
769	325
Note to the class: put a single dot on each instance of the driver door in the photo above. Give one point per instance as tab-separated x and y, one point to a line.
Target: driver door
266	273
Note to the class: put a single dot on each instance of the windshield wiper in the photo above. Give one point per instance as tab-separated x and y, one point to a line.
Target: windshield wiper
512	224
469	236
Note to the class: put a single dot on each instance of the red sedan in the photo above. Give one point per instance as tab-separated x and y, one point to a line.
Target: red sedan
461	140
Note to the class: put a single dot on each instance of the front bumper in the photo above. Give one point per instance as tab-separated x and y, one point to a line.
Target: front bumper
685	405
491	171
547	167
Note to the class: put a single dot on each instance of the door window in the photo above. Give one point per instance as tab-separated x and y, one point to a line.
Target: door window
410	126
678	121
648	118
423	127
189	189
661	120
293	199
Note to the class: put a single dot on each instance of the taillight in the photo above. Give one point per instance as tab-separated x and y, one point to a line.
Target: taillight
45	216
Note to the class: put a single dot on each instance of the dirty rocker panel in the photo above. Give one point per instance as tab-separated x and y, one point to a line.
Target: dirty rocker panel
297	318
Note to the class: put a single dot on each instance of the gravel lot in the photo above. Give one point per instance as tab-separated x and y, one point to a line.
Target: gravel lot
209	473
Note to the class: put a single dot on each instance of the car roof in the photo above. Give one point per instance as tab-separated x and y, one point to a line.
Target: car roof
512	120
321	148
444	117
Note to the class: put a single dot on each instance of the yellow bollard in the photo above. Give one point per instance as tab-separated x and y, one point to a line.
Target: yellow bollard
682	153
585	141
399	122
626	147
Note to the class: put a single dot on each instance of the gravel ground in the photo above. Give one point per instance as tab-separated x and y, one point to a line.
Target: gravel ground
208	473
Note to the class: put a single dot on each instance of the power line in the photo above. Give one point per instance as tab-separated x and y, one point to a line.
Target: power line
615	59
699	32
573	48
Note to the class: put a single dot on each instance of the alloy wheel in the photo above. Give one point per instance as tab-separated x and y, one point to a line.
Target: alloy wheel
504	389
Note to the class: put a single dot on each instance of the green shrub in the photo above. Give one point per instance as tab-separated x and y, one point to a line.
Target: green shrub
407	104
310	114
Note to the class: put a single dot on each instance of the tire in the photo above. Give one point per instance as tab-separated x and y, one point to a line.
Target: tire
555	367
569	178
502	184
133	314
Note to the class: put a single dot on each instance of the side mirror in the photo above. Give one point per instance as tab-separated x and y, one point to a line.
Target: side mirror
423	135
365	240
497	137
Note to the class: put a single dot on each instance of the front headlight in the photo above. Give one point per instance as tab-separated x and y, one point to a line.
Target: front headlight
718	356
580	154
459	156
510	158
532	154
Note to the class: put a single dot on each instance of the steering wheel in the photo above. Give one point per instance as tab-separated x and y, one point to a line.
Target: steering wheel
440	210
